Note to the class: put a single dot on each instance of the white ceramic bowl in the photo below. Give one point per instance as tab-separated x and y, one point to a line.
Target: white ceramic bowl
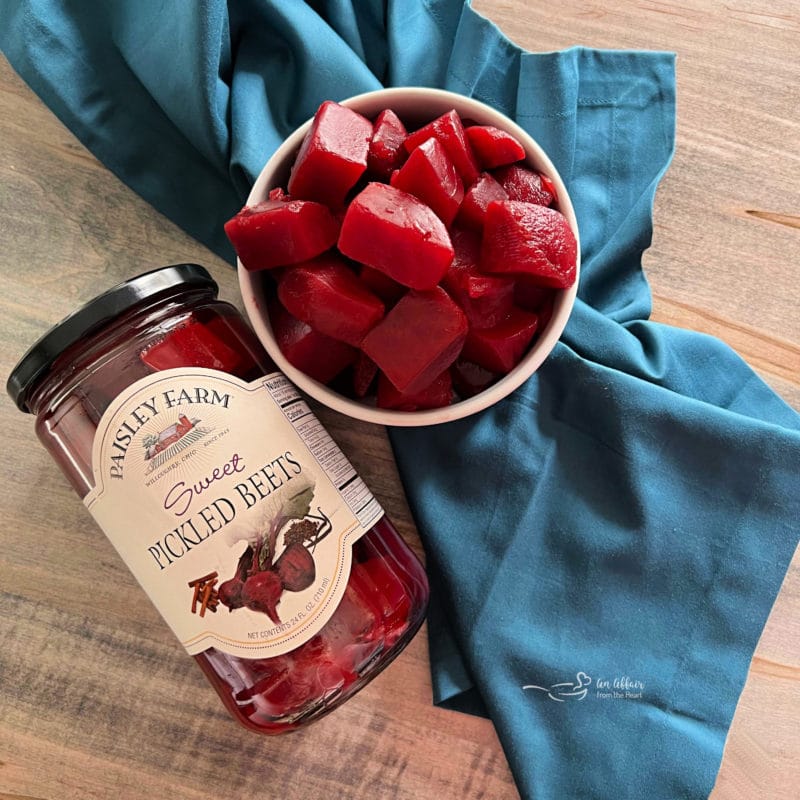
416	107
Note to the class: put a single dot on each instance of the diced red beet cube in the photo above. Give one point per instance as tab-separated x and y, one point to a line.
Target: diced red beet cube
389	290
436	394
355	616
320	662
271	666
364	372
408	348
391	600
353	658
327	295
466	246
494	147
527	239
312	674
384	580
500	348
449	130
336	674
278	194
470	379
394	232
466	252
273	694
549	187
491	307
473	208
429	175
229	328
522	183
332	157
279	232
193	344
386	151
312	352
485	299
288	693
530	294
355	631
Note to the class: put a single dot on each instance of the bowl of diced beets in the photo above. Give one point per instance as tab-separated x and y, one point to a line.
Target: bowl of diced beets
408	256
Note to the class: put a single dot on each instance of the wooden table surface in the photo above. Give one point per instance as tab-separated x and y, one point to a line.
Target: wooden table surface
98	701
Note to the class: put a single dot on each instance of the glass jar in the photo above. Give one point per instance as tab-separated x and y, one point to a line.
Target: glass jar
321	591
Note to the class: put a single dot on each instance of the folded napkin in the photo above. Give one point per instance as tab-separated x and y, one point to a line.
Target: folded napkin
604	545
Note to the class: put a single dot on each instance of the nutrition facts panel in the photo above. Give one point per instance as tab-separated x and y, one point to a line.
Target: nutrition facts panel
327	453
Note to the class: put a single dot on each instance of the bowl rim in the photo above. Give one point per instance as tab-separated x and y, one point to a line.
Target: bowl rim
259	318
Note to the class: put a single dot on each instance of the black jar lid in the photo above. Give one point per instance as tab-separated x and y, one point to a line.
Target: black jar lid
35	364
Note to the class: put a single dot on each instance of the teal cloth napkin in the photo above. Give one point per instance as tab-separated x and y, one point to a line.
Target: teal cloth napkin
605	545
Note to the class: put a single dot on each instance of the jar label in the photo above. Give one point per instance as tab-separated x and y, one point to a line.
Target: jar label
231	505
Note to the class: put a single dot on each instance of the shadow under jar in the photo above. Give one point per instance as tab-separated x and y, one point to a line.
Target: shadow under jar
241	519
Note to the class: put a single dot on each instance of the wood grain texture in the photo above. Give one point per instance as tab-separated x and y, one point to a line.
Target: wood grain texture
97	701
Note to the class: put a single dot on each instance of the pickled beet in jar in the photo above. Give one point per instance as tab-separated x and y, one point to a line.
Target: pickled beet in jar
248	528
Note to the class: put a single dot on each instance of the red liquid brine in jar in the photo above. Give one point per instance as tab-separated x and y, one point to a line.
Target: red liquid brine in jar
245	524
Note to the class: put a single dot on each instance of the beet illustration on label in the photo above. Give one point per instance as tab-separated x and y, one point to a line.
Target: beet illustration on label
278	557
